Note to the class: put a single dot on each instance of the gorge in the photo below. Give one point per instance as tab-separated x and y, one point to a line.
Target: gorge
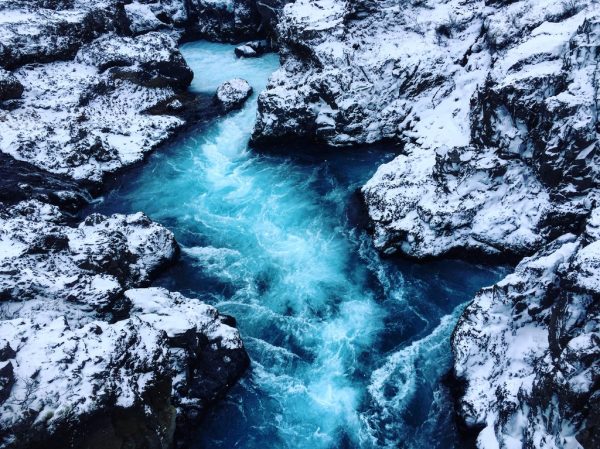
393	242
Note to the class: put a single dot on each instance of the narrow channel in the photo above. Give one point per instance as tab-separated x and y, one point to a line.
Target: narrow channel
348	349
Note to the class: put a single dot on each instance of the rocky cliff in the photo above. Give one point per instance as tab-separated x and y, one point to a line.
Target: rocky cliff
493	106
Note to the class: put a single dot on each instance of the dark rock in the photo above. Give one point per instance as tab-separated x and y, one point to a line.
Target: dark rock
22	181
10	87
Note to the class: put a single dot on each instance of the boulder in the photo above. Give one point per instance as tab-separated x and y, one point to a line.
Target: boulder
232	94
527	351
252	49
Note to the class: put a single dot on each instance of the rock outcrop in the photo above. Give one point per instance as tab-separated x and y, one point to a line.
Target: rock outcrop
88	359
89	116
232	94
527	349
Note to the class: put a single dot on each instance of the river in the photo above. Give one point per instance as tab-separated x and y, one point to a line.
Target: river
348	350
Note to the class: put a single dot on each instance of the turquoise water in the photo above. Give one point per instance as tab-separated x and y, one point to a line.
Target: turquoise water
347	349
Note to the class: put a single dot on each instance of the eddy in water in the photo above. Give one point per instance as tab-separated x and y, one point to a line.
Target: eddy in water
347	350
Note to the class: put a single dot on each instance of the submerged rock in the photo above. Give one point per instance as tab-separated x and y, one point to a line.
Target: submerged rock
233	93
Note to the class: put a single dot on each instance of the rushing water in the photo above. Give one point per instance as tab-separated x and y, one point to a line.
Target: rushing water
347	349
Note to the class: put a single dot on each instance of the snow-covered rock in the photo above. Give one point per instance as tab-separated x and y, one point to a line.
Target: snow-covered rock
81	350
528	351
225	20
38	31
151	60
90	116
233	93
245	51
21	181
134	382
46	264
101	383
252	49
142	19
206	352
456	200
536	116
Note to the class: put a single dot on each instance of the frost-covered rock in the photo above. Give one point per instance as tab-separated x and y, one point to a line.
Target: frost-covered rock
453	201
101	383
80	350
151	59
38	31
142	19
206	351
252	49
225	20
528	351
87	357
233	93
536	116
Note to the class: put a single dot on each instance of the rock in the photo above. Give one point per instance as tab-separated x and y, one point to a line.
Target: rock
233	93
144	376
208	355
88	358
456	201
47	264
154	360
225	20
101	382
21	181
245	51
99	125
36	31
270	12
528	351
252	49
151	60
10	87
142	19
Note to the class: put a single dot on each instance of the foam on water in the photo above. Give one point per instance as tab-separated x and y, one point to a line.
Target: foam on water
342	343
